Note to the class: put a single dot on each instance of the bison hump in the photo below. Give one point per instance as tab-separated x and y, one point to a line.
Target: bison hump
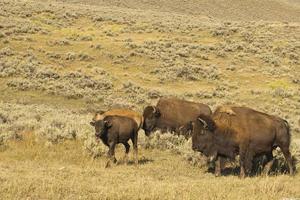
225	109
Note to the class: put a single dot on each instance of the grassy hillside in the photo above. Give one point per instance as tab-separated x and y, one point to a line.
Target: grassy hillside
254	10
62	60
108	57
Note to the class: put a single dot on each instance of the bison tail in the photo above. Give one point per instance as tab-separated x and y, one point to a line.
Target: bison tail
288	130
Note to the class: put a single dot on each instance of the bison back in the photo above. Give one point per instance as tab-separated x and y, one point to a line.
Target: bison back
180	112
122	127
251	127
126	113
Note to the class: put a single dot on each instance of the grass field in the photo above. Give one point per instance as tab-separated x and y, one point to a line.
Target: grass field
61	60
30	170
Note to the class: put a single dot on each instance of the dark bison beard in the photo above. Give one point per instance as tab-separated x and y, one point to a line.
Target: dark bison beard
208	150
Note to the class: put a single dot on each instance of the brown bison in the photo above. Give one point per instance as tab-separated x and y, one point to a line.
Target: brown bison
138	118
113	130
242	131
171	114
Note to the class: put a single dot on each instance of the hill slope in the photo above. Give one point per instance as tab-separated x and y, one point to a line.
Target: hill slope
241	10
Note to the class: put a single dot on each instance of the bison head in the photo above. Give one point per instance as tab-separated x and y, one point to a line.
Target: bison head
100	127
203	136
151	115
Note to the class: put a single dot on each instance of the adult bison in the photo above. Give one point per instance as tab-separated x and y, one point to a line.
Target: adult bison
113	130
241	131
137	117
171	114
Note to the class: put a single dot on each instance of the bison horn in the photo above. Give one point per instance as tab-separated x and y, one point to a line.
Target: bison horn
154	109
203	122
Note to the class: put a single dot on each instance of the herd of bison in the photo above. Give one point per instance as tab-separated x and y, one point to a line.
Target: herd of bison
225	133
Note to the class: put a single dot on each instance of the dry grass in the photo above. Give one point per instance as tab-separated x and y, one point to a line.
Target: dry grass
30	170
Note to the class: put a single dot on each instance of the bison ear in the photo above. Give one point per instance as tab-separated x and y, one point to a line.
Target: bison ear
107	124
92	123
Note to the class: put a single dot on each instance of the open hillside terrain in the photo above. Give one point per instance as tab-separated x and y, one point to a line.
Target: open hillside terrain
60	61
254	10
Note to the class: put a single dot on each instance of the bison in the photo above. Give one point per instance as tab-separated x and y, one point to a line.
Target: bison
171	114
113	130
242	131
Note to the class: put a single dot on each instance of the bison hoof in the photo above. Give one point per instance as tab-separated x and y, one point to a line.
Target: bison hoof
125	160
242	176
217	174
107	165
292	173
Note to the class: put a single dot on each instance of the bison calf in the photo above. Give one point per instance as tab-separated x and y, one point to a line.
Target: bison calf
113	130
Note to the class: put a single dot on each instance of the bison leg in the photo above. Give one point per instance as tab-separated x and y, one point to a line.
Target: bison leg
111	154
249	162
127	147
246	158
219	166
287	154
269	164
135	148
242	162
